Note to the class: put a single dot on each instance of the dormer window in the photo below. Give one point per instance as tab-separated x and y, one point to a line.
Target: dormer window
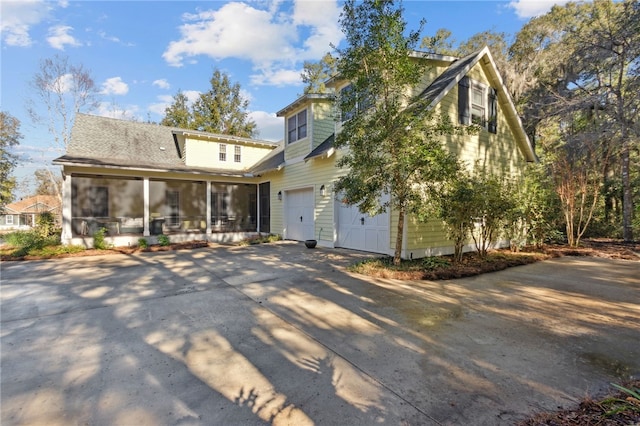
297	126
353	103
477	104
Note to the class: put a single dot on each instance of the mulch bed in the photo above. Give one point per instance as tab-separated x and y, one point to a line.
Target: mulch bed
616	409
187	245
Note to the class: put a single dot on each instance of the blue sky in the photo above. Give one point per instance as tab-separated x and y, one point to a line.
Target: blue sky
140	53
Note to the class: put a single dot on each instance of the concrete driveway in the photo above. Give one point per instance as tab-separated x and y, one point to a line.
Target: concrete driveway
281	334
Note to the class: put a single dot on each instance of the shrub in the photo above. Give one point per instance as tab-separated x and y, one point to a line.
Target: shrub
46	224
435	262
99	242
163	240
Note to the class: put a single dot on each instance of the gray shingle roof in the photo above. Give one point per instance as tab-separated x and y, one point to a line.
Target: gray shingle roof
109	142
324	147
271	162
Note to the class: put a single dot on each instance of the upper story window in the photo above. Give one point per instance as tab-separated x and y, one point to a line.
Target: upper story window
237	154
222	156
297	126
477	104
352	103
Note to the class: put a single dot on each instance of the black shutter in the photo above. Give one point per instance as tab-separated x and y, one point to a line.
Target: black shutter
493	110
464	110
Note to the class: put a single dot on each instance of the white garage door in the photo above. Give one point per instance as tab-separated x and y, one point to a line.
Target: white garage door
359	231
299	214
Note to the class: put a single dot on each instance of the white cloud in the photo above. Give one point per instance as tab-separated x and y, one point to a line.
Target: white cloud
115	86
530	8
162	83
277	77
17	19
59	37
166	100
113	110
62	84
268	38
271	128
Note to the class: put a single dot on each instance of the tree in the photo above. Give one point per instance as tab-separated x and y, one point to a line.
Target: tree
178	113
441	43
63	89
47	183
392	149
9	137
587	62
222	109
315	74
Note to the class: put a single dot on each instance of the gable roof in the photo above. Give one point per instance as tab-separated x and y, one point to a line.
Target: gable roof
108	142
441	86
35	204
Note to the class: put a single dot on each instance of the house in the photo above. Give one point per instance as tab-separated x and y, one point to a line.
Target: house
142	180
23	214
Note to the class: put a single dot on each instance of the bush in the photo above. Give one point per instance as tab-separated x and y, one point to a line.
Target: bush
28	241
143	243
163	240
46	224
99	242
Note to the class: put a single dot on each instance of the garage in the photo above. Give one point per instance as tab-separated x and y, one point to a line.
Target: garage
359	231
299	214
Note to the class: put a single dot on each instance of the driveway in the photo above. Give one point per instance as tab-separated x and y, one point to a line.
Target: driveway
284	335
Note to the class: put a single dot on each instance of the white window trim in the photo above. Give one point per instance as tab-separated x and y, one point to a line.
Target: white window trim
222	152
237	154
9	220
297	126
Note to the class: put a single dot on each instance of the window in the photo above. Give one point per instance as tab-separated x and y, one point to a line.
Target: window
9	219
222	156
297	126
477	104
353	103
237	154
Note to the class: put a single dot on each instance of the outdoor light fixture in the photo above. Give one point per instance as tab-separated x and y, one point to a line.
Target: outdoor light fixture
279	195
323	191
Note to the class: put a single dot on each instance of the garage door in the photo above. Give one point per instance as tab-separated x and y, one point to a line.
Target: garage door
299	214
359	231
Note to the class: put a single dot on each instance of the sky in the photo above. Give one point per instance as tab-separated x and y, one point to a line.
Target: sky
141	53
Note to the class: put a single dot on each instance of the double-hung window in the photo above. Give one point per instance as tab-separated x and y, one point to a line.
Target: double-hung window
222	155
297	126
9	219
477	104
353	103
237	154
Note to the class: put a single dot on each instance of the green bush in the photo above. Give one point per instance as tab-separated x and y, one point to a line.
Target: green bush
435	262
143	243
99	242
163	240
46	224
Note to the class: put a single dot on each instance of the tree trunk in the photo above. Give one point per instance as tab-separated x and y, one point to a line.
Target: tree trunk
627	199
397	256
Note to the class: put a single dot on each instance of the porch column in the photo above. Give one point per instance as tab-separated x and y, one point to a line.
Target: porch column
145	220
67	232
208	207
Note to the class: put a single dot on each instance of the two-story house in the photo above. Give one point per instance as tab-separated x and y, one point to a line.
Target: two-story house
142	179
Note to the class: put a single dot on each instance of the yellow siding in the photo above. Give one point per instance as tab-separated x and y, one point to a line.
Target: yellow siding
310	174
323	123
203	153
497	153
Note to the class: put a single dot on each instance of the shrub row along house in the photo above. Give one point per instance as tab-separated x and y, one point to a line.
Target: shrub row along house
138	179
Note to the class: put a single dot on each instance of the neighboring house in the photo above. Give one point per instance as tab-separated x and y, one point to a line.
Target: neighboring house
23	214
141	179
